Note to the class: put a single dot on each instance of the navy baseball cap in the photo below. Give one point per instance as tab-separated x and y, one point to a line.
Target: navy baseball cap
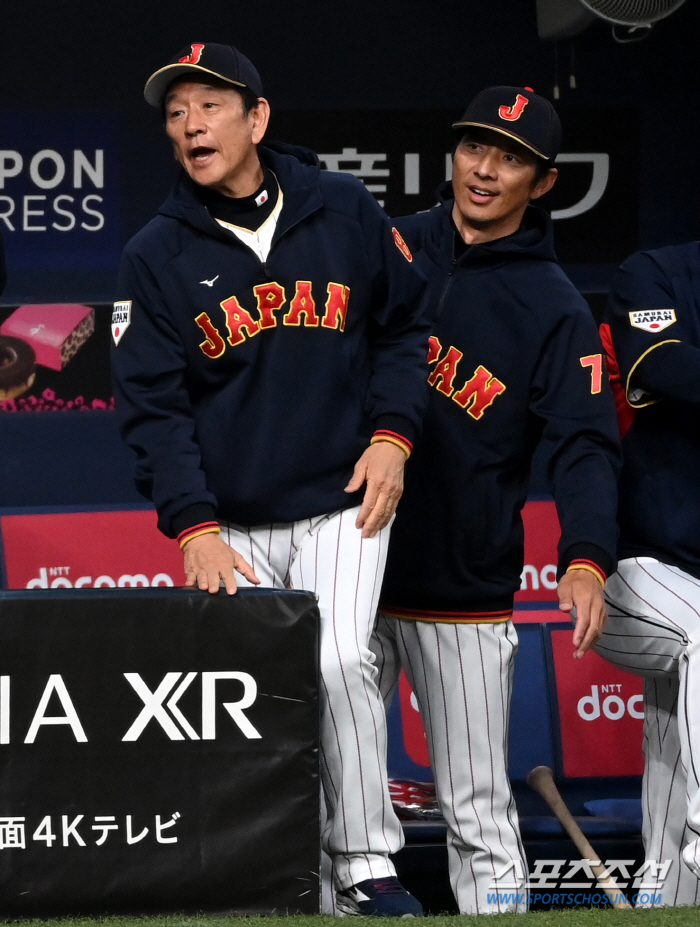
519	113
204	58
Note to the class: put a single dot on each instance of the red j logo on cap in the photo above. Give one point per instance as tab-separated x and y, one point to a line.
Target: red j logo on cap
194	55
511	113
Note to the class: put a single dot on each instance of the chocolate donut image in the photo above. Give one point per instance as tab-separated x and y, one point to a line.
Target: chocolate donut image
17	367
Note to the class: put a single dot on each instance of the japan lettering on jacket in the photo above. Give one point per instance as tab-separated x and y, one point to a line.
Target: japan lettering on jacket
271	298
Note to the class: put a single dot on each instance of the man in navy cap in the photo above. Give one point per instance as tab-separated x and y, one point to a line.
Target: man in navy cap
269	363
515	359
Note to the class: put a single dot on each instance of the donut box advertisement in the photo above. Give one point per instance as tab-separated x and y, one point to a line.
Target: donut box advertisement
55	357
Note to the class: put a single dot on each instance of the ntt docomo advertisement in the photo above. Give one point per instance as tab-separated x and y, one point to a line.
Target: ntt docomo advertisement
59	201
88	550
601	713
538	581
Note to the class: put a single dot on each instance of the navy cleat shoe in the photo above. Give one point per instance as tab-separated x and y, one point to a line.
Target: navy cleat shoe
379	898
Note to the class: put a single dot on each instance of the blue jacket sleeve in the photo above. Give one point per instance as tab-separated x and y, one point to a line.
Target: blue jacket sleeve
148	369
571	394
398	330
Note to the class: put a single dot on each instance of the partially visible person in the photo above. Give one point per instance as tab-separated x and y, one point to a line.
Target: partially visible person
516	359
269	364
652	335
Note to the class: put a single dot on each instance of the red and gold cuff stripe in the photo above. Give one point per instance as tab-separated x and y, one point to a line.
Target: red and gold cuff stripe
440	617
582	564
206	527
393	437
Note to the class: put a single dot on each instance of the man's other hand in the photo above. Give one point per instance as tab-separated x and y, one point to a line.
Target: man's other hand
381	467
581	590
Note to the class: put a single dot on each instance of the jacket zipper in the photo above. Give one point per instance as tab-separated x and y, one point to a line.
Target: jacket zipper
446	288
450	276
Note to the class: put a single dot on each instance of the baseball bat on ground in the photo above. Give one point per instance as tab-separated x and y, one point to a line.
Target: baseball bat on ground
541	780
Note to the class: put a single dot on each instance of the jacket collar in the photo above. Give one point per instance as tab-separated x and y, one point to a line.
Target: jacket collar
297	170
533	239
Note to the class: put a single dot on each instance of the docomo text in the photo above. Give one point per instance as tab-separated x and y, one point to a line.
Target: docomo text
49	169
609	701
159	706
531	578
57	578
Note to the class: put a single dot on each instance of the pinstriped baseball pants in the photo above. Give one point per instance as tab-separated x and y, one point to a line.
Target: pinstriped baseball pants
653	629
327	555
462	678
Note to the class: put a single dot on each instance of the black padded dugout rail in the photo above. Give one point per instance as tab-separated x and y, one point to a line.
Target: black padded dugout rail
158	752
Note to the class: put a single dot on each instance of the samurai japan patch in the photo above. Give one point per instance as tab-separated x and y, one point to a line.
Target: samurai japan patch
652	320
121	319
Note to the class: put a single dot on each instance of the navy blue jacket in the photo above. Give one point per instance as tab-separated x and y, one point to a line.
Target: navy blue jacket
251	389
654	324
515	358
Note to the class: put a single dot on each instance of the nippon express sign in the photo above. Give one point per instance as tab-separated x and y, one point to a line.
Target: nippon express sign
59	202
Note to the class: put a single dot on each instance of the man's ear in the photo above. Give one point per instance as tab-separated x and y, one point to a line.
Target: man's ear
260	116
544	184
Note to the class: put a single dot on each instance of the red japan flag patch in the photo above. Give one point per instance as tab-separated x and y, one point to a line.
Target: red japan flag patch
121	319
402	246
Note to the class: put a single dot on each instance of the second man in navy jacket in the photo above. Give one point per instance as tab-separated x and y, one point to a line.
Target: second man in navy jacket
515	359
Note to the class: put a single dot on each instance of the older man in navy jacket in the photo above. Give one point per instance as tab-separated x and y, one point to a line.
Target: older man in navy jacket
269	365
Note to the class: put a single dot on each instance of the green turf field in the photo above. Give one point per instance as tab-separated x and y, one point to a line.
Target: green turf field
576	917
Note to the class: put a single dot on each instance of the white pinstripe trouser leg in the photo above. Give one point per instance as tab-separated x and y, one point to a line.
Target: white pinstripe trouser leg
653	629
327	555
462	677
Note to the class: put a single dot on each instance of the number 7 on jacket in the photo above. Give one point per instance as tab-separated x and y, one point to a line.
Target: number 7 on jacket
595	362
